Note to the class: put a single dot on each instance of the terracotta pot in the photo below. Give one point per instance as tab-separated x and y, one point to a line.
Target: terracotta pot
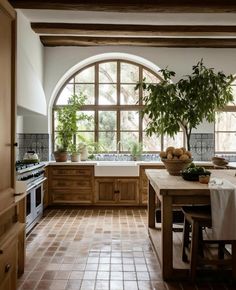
60	156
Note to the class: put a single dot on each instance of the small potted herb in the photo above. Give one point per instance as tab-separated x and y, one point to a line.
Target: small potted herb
74	153
136	150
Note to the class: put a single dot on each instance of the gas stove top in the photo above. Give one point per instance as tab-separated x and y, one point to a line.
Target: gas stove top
22	164
30	173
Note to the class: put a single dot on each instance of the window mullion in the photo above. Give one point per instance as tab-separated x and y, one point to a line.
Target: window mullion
140	97
118	103
96	88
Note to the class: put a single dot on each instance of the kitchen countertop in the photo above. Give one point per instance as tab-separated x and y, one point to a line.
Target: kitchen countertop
71	163
93	162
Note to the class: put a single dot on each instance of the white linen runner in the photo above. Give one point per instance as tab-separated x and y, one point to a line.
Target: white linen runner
223	209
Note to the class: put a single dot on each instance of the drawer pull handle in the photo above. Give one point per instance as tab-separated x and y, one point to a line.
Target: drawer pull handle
1	252
7	268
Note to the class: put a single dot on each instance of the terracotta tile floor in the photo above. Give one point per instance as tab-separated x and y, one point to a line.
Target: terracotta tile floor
95	249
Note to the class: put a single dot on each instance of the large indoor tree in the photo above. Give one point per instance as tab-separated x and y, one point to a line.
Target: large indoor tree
171	107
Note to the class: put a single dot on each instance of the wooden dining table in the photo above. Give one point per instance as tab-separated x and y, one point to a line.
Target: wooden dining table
173	191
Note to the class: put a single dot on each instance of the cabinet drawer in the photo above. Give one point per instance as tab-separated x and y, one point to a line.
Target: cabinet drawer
71	183
8	260
80	171
63	196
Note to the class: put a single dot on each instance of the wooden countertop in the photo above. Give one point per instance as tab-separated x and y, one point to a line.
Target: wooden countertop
165	183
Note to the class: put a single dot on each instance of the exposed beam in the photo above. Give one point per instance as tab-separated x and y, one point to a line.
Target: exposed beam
131	30
147	42
165	6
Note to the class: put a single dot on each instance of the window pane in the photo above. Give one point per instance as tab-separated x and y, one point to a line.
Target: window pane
127	138
57	140
55	120
177	141
65	94
107	120
86	125
129	96
129	120
56	143
107	94
87	137
225	121
86	75
151	143
145	122
86	90
108	72
225	142
234	93
149	77
129	73
107	140
71	81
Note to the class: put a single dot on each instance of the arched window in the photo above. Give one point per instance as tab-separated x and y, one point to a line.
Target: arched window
225	127
114	104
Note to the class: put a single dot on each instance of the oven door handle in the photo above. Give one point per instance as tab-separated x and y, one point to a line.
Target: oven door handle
37	183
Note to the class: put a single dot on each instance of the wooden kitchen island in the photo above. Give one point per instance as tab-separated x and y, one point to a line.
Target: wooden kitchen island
174	190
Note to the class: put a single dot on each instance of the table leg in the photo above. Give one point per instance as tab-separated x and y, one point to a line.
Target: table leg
234	260
151	206
167	238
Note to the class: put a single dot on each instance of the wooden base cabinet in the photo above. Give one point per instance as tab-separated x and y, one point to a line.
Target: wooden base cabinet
117	191
144	182
8	259
45	189
71	184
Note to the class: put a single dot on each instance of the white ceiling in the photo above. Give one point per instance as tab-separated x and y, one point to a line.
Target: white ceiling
61	16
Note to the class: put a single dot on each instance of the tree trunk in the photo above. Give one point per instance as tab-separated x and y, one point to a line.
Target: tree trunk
188	142
187	133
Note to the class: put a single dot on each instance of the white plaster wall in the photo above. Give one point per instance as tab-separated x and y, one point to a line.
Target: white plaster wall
35	124
19	124
58	60
30	68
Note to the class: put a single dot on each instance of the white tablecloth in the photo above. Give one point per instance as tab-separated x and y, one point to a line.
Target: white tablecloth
223	208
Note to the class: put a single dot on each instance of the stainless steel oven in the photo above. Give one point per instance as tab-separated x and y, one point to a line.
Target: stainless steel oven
34	178
34	206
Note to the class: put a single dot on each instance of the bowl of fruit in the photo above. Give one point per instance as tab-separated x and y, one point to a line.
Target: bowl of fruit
192	172
175	159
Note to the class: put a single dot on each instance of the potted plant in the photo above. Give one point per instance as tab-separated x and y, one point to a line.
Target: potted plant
74	153
136	150
67	127
186	103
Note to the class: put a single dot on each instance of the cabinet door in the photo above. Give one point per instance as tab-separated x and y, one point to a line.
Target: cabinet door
8	262
105	191
128	191
7	104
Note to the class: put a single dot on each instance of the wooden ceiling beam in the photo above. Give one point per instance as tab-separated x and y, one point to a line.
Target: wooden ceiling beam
146	42
132	30
161	6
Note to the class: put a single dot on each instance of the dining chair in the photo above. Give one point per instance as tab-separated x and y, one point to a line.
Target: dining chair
196	219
